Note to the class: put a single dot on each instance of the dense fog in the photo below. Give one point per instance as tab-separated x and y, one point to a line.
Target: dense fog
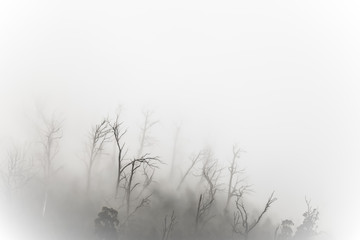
179	120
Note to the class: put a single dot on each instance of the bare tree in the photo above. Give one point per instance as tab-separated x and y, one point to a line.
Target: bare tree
50	137
128	172
18	170
173	157
194	160
203	209
241	223
146	140
129	183
168	226
234	184
118	133
98	136
211	173
145	136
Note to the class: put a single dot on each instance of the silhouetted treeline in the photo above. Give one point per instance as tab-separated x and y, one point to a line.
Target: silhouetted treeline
135	194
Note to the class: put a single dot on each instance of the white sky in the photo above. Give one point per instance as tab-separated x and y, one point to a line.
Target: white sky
280	78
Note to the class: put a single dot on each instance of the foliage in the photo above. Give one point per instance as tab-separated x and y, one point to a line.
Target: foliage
308	229
285	230
106	224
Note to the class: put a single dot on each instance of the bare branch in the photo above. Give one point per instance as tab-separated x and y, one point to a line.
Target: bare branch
267	206
144	202
145	138
19	170
98	136
193	163
241	223
174	151
118	133
168	226
233	189
132	166
51	135
211	173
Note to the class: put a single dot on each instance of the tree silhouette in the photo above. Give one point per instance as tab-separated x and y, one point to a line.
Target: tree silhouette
211	173
118	133
234	180
308	229
106	224
50	135
168	226
98	136
284	231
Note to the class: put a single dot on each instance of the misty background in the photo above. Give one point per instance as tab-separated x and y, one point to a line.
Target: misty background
278	78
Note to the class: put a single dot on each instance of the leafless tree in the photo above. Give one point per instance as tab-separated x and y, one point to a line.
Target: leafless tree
234	188
145	136
98	136
51	134
211	173
118	133
129	181
203	209
174	151
242	223
128	172
194	160
168	226
18	171
146	140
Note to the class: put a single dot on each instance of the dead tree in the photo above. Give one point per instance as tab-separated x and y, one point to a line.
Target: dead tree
118	133
99	135
146	140
128	173
168	226
211	173
242	223
202	211
193	163
145	137
128	170
51	135
173	157
234	180
18	170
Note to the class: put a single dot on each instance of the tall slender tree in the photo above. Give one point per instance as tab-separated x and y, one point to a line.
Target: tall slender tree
233	187
98	136
50	134
118	133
